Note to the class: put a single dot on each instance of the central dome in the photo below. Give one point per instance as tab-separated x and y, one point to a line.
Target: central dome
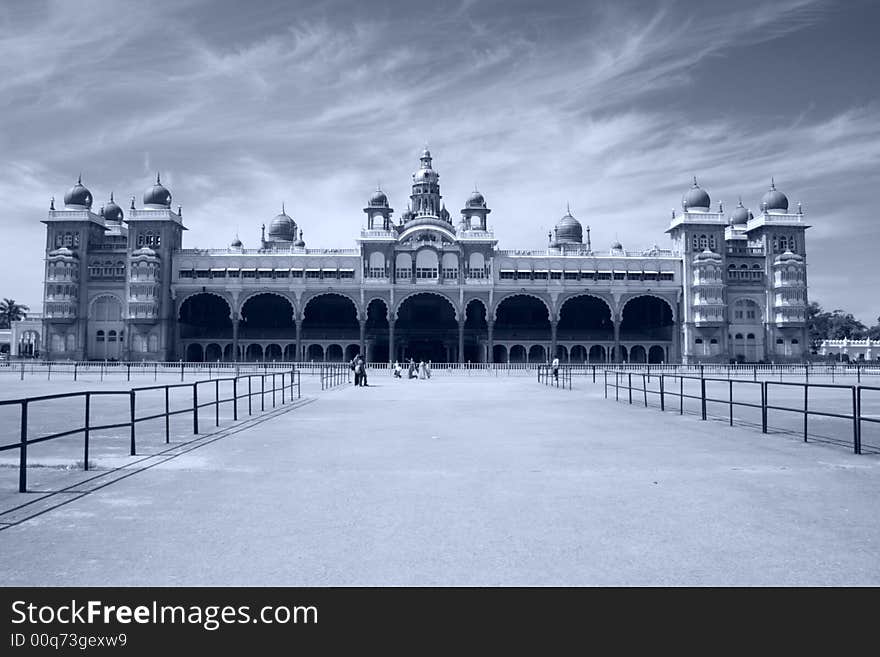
569	230
740	216
774	199
282	228
112	212
157	197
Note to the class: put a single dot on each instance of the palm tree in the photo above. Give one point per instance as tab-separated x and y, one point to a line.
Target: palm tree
10	311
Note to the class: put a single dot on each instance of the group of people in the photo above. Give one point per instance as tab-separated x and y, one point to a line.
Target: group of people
359	366
420	371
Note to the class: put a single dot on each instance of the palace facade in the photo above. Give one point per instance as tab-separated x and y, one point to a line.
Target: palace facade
120	285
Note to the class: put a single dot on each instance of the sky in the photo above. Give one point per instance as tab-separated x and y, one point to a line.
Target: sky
611	107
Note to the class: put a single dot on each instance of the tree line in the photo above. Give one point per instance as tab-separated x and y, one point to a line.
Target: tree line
837	325
10	311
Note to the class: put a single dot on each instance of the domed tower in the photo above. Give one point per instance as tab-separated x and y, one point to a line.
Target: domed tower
740	215
78	197
282	229
378	211
567	232
774	201
696	199
112	213
157	197
425	197
475	210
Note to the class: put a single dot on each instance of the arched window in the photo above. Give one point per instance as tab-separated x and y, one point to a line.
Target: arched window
696	243
750	336
698	341
795	341
739	336
377	265
427	264
403	264
111	336
713	341
140	239
476	266
780	341
712	242
450	266
99	336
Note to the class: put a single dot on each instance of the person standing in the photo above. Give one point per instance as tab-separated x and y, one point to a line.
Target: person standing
556	369
423	373
412	369
353	367
363	364
428	369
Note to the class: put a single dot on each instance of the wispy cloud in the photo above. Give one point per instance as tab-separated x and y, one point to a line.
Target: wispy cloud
604	105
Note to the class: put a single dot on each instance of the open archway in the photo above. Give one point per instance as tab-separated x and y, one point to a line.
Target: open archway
646	318
656	354
213	353
377	331
194	353
585	317
267	315
521	316
518	354
427	328
205	315
476	330
330	316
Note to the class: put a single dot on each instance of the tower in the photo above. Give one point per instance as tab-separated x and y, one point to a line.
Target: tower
425	197
154	233
378	212
698	234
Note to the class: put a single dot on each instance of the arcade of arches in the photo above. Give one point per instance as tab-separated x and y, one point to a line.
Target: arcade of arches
426	326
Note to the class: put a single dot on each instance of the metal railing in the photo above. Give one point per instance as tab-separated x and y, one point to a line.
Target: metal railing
282	389
673	386
554	376
334	374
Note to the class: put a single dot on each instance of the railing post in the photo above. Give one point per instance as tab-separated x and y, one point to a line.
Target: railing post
75	366
662	399
217	401
86	435
273	389
128	371
629	386
250	394
196	407
730	399
22	451
605	376
763	407
806	408
857	439
235	399
263	392
645	388
167	418
702	394
131	395
155	371
283	384
298	384
680	395
616	385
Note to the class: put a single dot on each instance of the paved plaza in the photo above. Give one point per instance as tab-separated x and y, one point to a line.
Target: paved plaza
467	480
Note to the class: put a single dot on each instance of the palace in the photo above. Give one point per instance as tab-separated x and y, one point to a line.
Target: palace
120	285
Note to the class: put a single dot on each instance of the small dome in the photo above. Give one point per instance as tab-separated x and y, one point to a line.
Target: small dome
787	257
157	196
774	199
476	200
616	246
569	229
112	212
407	215
379	199
740	216
696	198
425	175
300	243
706	255
78	196
282	228
236	243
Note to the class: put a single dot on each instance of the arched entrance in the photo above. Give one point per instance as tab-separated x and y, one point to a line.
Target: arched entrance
315	353
578	354
537	354
427	328
194	353
597	354
330	316
376	332
522	317
585	318
213	353
254	353
646	318
656	354
205	315
476	331
499	353
333	353
637	354
517	354
267	316
106	328
273	352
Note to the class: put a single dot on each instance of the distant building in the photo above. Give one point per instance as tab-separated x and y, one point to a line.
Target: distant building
851	350
120	285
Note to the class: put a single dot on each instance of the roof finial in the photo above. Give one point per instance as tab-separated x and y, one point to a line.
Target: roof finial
568	208
283	211
52	203
772	183
79	178
158	182
720	208
132	202
695	182
111	197
740	204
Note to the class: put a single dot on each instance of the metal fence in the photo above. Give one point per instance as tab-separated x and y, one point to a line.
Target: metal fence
334	374
554	376
735	394
267	388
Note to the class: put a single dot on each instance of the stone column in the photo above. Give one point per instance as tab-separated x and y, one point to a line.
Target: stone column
363	324
552	340
461	341
299	354
617	355
491	342
235	321
392	354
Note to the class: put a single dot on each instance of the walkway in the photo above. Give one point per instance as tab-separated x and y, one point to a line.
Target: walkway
470	480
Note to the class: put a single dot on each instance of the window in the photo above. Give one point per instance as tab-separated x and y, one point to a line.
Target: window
704	242
186	273
795	341
111	336
313	273
750	314
698	341
426	272
780	341
477	273
507	275
619	275
713	341
523	275
569	275
712	242
696	243
540	275
99	336
750	336
739	336
376	272
68	239
450	274
404	273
